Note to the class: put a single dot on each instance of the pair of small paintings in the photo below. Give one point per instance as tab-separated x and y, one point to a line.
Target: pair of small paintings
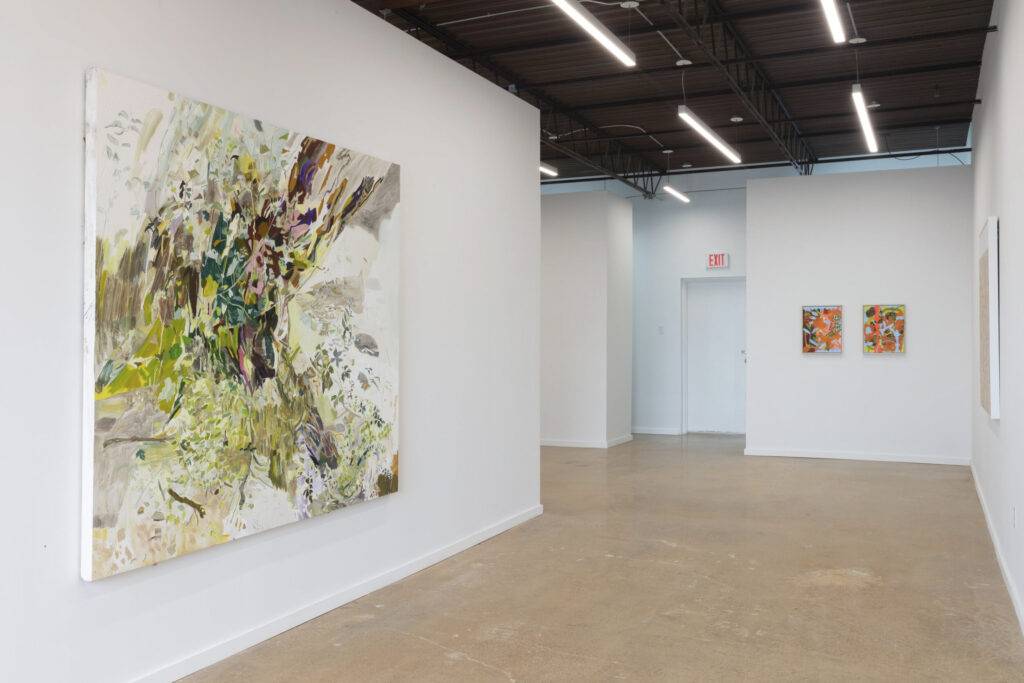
884	328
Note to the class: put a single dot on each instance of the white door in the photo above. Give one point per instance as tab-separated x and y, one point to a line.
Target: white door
715	350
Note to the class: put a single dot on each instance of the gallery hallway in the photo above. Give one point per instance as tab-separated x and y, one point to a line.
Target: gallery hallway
678	558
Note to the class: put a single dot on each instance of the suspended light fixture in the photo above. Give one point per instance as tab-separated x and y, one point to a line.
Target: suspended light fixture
668	188
865	118
676	193
693	121
835	22
548	170
596	30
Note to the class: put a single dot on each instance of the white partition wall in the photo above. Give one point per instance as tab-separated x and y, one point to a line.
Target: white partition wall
469	320
586	320
999	191
894	237
672	244
618	427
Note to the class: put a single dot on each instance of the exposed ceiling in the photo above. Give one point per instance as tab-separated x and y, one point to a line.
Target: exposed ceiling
776	67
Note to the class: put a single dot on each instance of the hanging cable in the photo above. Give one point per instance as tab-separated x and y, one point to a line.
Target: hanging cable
855	39
629	30
493	15
554	136
663	36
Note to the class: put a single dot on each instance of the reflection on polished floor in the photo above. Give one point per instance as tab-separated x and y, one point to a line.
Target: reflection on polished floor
678	558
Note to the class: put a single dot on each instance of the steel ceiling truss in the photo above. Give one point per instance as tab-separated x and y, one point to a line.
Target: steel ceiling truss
598	151
954	121
563	130
803	83
726	51
885	132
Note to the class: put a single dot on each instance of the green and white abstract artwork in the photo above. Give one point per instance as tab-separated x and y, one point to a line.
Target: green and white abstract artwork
241	326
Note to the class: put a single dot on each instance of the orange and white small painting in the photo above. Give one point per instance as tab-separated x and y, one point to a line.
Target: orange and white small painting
823	329
885	328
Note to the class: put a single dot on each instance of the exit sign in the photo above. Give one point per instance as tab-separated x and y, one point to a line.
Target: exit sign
720	260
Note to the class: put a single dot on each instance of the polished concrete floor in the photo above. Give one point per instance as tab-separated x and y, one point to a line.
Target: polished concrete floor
676	558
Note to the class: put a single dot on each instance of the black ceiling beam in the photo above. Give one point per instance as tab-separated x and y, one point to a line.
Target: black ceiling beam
616	159
891	110
827	160
886	130
883	42
805	83
882	130
721	16
809	52
555	43
805	119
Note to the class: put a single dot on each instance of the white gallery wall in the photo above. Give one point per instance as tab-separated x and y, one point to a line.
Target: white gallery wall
618	428
999	191
893	237
672	243
586	319
469	385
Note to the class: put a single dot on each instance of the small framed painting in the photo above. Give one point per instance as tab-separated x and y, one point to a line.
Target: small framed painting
822	329
885	328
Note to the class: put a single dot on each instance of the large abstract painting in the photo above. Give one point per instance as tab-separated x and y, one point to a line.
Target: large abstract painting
885	328
241	323
988	316
822	329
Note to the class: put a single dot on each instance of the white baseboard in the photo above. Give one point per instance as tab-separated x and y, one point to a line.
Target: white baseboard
236	644
561	443
855	455
700	433
1011	586
619	440
663	431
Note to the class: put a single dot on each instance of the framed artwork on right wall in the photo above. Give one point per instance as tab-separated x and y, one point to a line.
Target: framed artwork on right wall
822	329
988	316
885	328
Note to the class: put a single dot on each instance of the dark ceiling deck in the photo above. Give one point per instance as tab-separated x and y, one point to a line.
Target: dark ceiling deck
920	64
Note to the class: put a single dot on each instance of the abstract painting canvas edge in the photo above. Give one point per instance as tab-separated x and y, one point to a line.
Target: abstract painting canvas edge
88	319
988	305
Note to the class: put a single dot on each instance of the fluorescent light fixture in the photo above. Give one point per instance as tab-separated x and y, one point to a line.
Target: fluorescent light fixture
865	118
589	23
547	169
693	121
835	22
677	194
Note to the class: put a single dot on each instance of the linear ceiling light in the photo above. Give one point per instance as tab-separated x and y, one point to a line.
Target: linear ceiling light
693	121
835	22
677	194
589	23
865	118
549	170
